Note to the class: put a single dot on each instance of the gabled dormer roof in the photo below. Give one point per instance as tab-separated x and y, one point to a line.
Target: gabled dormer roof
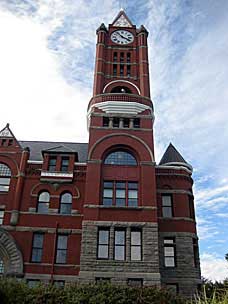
172	157
59	149
7	134
122	20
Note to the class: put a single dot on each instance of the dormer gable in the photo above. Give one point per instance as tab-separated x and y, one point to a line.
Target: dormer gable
8	140
122	20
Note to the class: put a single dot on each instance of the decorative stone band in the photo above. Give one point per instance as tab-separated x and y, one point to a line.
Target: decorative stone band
176	166
56	174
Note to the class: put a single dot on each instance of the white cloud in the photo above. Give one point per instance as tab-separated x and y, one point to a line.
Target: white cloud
35	99
213	267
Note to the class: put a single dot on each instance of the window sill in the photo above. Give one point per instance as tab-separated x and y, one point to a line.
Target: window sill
121	207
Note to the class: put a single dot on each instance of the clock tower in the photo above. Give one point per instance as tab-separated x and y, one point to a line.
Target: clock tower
120	229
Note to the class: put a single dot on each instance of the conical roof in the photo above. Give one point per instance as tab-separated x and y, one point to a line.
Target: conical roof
172	157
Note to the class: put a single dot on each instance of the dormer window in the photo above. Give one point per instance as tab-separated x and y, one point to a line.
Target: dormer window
52	164
64	164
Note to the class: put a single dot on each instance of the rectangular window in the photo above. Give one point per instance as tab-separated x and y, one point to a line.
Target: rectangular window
126	122
1	216
120	193
108	193
136	122
128	70
64	164
136	245
121	57
37	247
120	244
132	194
169	252
114	69
191	207
52	164
121	70
173	288
61	249
167	210
103	244
116	122
195	252
115	56
128	57
135	282
4	184
105	121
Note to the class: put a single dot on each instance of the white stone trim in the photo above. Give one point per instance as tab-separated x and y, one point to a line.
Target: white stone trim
166	166
108	84
35	161
56	174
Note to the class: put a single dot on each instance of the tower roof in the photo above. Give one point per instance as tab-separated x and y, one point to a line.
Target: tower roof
122	20
172	157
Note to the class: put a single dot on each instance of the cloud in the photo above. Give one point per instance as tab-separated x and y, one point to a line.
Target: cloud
213	267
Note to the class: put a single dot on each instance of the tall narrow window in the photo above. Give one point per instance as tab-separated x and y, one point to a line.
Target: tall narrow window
61	249
116	122
128	70
126	122
132	194
37	247
103	243
136	245
120	193
105	121
52	164
1	216
115	56
128	57
114	69
195	252
65	203
121	70
65	164
5	175
121	57
191	207
169	252
167	210
107	193
136	122
120	244
43	202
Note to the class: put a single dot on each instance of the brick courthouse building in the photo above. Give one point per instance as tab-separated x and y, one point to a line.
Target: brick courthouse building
103	210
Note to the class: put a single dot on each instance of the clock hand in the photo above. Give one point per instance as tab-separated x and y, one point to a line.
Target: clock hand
124	37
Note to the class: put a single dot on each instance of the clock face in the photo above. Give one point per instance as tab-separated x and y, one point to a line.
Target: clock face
122	37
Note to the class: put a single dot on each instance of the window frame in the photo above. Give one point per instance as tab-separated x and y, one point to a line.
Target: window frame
37	248
136	245
116	245
165	207
106	229
62	203
52	167
64	167
111	159
170	244
5	178
61	249
40	203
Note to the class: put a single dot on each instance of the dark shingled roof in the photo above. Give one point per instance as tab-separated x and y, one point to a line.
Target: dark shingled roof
36	148
172	156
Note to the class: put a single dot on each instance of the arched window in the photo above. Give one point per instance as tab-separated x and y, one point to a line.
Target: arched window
5	175
121	89
65	203
120	158
43	202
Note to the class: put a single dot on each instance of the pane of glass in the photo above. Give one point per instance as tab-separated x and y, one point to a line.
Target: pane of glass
108	193
43	207
44	197
120	193
1	213
103	236
62	242
52	161
136	253
1	221
36	255
61	256
65	208
38	240
66	198
4	188
120	202
65	162
169	251
132	185
107	201
167	212
132	202
120	237
121	185
108	184
135	237
169	262
4	181
103	251
166	200
120	253
168	241
120	157
4	170
133	194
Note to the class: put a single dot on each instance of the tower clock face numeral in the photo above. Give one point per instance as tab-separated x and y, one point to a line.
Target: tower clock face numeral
122	37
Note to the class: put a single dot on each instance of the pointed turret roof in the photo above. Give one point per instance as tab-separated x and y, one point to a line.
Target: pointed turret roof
122	20
6	133
172	157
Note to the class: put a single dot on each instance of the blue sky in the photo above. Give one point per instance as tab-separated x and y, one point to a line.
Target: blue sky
47	61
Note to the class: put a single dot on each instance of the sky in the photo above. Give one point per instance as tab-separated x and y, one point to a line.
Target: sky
47	57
